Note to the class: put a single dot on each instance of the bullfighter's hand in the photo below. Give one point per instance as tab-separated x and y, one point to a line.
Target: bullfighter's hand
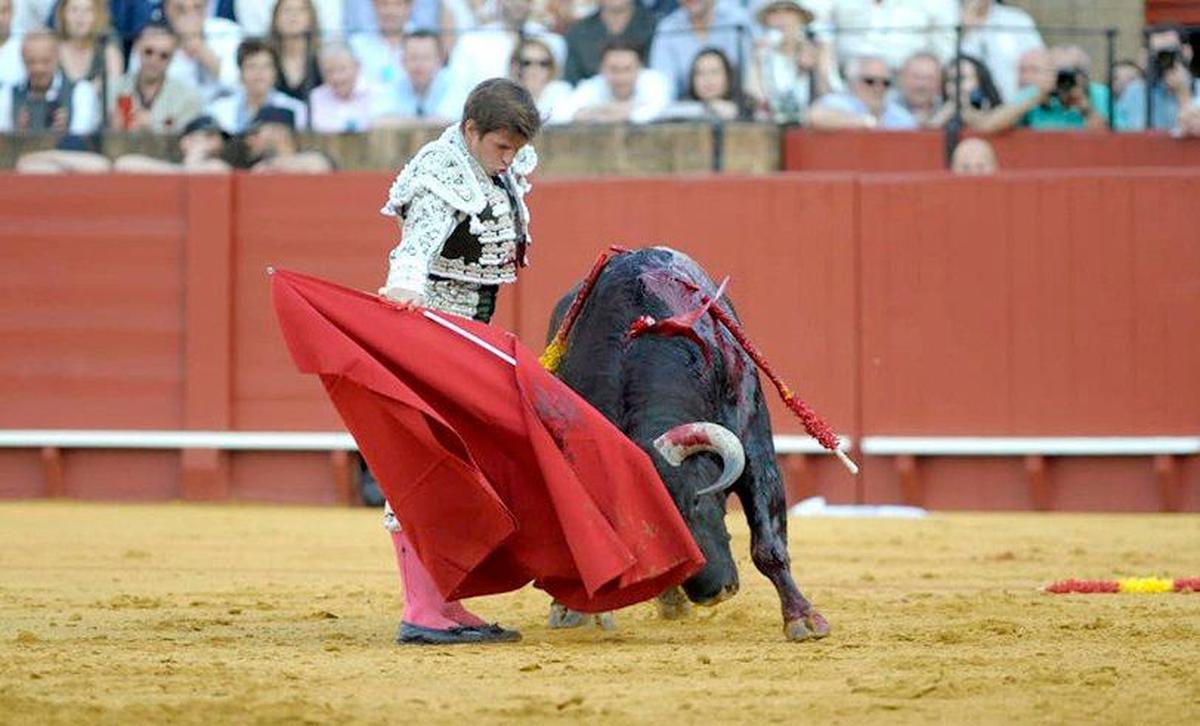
404	298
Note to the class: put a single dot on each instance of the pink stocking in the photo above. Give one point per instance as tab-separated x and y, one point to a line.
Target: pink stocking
423	604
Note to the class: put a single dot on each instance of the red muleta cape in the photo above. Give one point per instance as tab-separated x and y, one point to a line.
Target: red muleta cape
500	475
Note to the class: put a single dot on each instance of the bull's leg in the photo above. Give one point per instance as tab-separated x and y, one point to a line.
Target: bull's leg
766	513
673	604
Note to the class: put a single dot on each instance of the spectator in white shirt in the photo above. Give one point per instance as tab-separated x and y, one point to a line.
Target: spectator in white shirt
920	87
485	52
207	56
12	70
47	100
791	67
345	102
381	51
998	35
256	63
892	29
624	90
32	15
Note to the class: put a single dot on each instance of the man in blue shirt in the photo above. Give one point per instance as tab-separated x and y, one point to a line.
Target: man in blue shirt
696	25
1172	87
867	105
427	90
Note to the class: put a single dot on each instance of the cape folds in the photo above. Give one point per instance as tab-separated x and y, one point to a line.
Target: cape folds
500	474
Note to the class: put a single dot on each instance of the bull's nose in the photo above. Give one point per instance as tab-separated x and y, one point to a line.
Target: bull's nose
718	596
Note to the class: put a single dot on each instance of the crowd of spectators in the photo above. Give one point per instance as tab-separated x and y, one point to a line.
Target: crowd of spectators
77	66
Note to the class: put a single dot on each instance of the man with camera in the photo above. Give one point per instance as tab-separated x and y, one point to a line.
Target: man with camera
1173	90
1062	95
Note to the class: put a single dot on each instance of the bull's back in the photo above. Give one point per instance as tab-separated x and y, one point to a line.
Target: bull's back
658	282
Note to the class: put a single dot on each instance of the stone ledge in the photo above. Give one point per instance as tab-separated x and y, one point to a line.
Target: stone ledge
612	149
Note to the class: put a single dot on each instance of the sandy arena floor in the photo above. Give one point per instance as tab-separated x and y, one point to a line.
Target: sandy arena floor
136	614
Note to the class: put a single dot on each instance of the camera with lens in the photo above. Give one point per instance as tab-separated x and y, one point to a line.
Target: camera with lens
1066	81
1166	58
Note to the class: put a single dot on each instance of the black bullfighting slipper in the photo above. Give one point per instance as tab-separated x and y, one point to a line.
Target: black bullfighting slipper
501	635
410	634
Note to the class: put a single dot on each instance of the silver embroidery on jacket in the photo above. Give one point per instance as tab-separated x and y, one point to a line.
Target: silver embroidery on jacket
438	189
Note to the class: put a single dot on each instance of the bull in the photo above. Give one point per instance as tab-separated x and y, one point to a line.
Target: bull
678	384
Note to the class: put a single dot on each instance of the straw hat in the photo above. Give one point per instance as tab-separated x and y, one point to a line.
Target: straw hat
761	7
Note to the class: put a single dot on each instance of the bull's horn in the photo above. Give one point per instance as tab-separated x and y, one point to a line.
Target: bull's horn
684	440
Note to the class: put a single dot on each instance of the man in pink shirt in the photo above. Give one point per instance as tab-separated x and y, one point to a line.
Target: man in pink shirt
346	101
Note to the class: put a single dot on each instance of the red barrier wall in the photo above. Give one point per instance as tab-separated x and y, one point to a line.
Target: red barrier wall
1030	305
1040	304
92	302
1172	11
876	151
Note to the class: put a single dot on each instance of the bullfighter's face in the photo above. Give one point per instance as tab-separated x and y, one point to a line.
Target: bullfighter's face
494	150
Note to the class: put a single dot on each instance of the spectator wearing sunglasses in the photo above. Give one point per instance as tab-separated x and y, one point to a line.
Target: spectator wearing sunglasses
147	99
533	67
208	47
866	105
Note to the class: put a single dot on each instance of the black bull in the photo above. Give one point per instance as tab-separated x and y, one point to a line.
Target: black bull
649	384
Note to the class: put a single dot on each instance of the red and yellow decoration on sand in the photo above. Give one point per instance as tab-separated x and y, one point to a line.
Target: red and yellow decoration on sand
1139	585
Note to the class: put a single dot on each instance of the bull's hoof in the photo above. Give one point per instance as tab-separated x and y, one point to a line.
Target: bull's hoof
673	605
562	616
812	626
796	630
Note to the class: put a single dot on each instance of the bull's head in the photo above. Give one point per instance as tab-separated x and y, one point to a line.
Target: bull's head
702	503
